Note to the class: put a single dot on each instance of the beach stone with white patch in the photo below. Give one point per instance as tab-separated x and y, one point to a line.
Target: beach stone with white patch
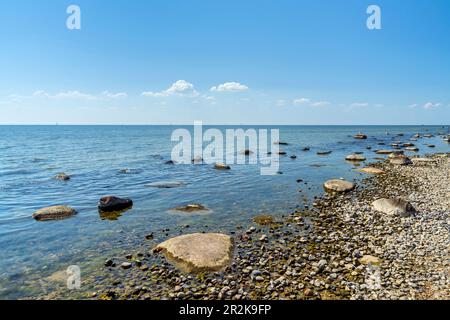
198	251
394	207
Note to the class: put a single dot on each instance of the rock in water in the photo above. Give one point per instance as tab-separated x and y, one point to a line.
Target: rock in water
355	157
112	204
323	153
54	213
338	186
191	208
198	252
360	136
371	170
394	207
166	184
221	166
62	177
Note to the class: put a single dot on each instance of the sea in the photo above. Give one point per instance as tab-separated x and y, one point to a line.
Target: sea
95	157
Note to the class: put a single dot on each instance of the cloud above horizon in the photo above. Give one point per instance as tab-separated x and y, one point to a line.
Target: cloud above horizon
178	88
229	87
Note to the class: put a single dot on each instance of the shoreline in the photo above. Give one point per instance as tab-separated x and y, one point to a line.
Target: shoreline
339	249
319	254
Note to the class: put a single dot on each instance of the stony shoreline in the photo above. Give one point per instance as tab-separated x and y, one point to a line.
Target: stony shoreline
339	249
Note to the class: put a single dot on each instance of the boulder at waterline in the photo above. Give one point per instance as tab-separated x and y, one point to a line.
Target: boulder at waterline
198	252
338	185
62	177
413	149
221	166
371	170
112	204
54	213
281	143
394	207
247	152
400	160
165	184
355	157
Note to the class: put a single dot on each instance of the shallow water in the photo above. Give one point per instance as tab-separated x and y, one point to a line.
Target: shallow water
30	156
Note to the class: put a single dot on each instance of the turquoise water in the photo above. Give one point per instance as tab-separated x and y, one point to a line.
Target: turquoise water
30	156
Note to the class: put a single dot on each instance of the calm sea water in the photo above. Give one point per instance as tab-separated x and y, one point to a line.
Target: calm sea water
30	157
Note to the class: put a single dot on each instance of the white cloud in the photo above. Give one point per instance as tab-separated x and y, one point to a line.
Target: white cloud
431	105
414	105
65	95
180	88
111	95
359	104
280	103
320	104
229	87
301	101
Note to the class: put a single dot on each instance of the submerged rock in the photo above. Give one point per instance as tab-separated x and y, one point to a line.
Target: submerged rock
198	252
130	171
281	143
112	204
371	170
384	151
264	220
355	157
394	207
191	208
165	184
338	185
54	213
324	153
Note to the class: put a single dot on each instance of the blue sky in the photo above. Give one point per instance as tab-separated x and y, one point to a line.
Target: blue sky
225	62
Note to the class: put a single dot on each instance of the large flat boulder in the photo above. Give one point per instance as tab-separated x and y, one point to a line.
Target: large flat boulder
54	213
198	251
338	185
394	207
